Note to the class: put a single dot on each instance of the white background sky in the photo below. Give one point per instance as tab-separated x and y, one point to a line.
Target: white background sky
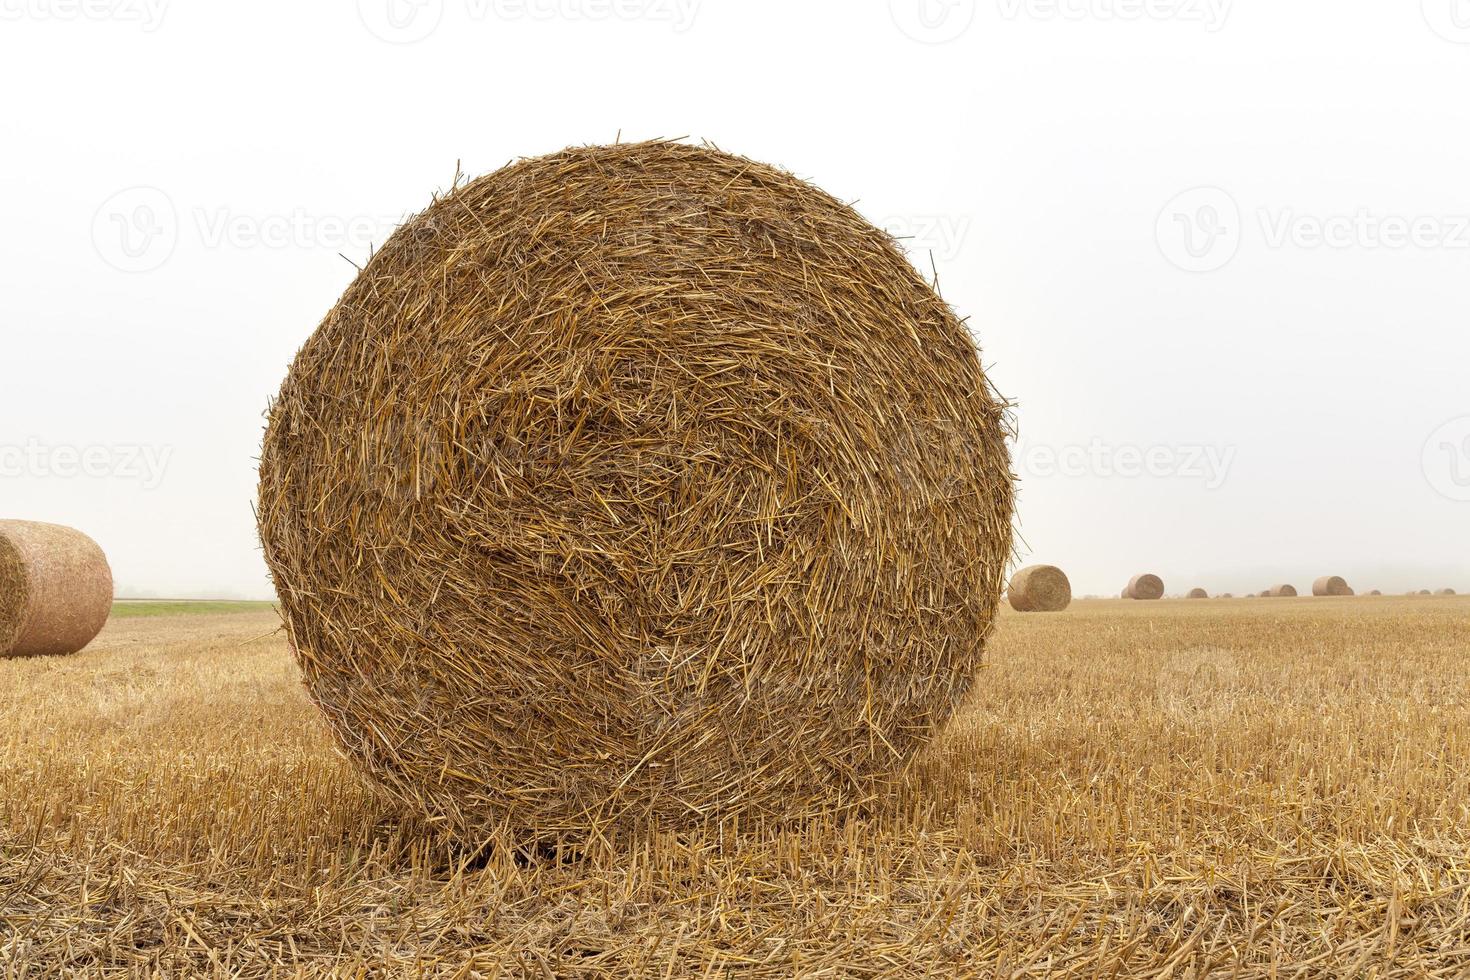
178	178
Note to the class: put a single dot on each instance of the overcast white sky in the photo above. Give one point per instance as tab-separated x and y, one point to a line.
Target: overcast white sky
1217	251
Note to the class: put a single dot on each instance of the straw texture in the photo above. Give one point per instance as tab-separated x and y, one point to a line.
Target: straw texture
1144	587
55	589
1040	588
1197	594
1280	591
639	484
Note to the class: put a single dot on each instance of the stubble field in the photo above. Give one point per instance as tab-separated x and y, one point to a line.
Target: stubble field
1246	788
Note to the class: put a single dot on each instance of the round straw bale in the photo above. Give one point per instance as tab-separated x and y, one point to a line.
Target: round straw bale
1197	594
1424	592
1446	591
55	589
1040	588
1375	592
1144	587
1281	591
1331	585
632	486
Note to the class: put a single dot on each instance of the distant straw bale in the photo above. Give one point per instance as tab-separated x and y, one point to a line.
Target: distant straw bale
1331	585
1198	594
55	589
1280	591
1144	587
1040	588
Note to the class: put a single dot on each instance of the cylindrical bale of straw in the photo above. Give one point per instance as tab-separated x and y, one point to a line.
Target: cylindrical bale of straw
55	589
1040	588
1331	585
637	486
1281	591
1145	587
1198	594
1446	591
1375	592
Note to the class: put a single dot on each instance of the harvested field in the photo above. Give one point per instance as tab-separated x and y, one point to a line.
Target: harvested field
1137	789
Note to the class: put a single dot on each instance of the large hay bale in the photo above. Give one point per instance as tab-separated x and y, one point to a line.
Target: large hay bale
1145	587
1040	588
1446	591
1197	594
1375	592
1281	591
639	484
55	589
1331	585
